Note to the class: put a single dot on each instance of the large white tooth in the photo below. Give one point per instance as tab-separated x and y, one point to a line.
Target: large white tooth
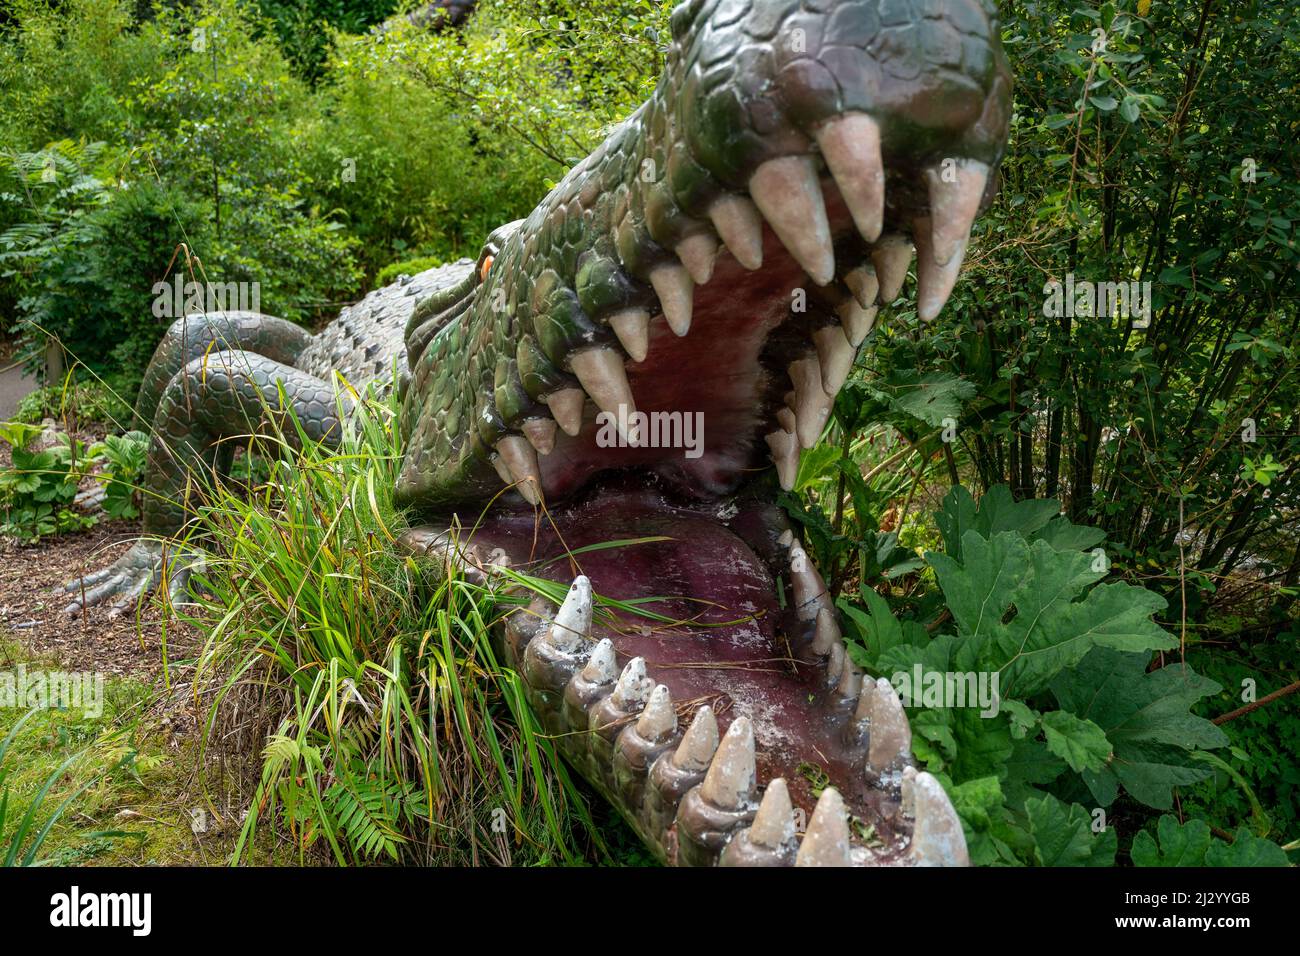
891	257
835	355
773	825
857	320
602	666
521	459
937	838
812	404
954	205
633	688
864	285
699	744
934	281
632	326
866	700
785	418
785	455
503	472
571	625
658	721
698	252
740	225
540	433
835	663
850	680
566	405
730	780
850	144
676	291
827	841
827	632
788	193
810	594
891	736
907	792
602	374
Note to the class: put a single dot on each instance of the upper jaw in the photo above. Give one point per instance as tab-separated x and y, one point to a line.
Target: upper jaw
826	162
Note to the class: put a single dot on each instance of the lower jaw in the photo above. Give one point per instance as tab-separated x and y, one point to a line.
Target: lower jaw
726	625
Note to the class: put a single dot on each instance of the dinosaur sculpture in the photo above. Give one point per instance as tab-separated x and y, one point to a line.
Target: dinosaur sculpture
794	152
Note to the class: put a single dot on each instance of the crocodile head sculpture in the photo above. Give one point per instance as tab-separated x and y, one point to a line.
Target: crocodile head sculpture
643	358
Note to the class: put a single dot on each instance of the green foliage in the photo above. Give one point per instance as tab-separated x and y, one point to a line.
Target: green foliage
1147	158
1146	717
204	158
1192	844
124	458
1078	716
94	403
396	733
37	489
389	273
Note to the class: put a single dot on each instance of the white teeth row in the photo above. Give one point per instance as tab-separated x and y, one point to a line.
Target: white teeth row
880	713
570	629
811	595
787	193
729	764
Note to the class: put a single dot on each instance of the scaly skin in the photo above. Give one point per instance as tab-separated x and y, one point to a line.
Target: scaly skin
724	252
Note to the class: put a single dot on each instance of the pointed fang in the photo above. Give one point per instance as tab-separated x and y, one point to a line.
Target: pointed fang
788	193
827	841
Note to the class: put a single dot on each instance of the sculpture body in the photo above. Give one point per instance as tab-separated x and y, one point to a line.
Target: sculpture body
723	254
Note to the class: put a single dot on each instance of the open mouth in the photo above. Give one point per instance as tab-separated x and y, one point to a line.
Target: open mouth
728	710
632	361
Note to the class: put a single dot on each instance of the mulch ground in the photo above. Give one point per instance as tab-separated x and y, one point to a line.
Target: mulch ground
31	603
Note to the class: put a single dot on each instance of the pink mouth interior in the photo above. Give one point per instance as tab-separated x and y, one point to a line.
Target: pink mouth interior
736	648
732	647
714	369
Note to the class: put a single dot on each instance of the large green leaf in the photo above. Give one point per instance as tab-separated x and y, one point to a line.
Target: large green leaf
930	398
997	511
1080	743
1192	844
1063	834
1055	623
1146	718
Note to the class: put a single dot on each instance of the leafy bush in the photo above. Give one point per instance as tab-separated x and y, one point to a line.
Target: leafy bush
124	457
389	273
37	491
205	161
1076	717
386	727
89	403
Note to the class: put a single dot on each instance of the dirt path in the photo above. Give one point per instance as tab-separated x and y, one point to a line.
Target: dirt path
14	386
31	603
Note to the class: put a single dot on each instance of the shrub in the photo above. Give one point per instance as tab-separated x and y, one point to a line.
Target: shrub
387	728
389	273
91	403
37	490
